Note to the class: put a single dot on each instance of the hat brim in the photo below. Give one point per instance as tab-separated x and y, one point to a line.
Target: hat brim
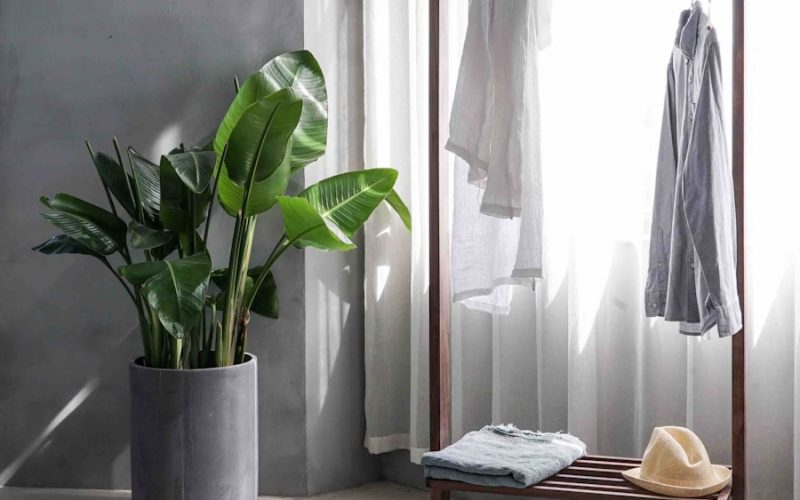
722	476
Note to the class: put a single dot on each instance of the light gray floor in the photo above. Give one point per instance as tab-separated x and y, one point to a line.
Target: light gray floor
372	491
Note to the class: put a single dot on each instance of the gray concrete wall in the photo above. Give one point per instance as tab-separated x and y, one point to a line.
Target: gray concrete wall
396	466
153	73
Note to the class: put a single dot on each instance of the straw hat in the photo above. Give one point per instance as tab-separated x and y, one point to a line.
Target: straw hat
676	463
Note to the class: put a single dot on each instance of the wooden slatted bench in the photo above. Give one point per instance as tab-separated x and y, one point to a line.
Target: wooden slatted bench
593	476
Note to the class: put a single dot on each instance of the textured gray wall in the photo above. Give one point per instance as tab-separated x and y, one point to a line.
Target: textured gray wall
152	72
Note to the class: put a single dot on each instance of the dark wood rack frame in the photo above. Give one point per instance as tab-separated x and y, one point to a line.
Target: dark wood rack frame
592	476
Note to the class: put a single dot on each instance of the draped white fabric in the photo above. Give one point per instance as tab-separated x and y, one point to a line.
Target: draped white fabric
773	247
396	272
578	354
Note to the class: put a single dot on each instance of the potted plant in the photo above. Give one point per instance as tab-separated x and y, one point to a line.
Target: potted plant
193	392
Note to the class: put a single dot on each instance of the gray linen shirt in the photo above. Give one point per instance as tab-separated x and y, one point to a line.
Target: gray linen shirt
692	272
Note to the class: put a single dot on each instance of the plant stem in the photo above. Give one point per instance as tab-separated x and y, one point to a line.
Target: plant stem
244	263
155	333
119	278
241	341
139	205
102	181
134	198
228	313
283	244
186	354
145	331
190	221
208	336
219	350
176	346
213	194
280	247
126	254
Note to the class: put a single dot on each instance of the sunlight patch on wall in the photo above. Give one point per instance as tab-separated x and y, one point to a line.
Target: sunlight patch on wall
772	169
69	408
591	277
169	138
382	273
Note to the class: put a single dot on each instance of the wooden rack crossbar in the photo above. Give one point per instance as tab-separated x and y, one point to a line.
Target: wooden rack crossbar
593	477
590	477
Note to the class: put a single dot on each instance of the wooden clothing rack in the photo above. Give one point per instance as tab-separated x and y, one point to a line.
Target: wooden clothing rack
592	476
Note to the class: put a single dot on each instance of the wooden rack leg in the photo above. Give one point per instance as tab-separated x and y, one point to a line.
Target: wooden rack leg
437	494
439	310
739	349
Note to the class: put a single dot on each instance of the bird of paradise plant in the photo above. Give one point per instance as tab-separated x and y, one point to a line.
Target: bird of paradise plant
191	316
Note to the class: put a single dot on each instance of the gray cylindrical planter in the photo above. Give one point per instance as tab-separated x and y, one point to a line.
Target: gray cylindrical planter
194	433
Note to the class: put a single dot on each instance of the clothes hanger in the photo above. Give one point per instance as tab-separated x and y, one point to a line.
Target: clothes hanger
708	13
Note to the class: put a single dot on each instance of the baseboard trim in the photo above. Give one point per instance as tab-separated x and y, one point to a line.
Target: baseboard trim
381	490
11	493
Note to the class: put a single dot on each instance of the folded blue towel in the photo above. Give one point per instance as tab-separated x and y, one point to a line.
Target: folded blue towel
502	455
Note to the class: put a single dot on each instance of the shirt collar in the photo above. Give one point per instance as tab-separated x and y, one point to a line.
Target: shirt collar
689	26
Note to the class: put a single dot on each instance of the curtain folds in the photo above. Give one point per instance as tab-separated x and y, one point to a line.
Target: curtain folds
772	177
395	263
578	354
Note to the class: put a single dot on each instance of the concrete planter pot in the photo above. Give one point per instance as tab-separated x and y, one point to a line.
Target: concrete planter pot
194	433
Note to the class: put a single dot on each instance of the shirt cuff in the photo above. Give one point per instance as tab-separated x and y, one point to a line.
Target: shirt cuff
654	304
729	319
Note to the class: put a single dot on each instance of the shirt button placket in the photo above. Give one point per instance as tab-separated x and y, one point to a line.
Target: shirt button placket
690	88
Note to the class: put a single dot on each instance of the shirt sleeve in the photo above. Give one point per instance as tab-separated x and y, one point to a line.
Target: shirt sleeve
708	198
544	11
468	118
661	228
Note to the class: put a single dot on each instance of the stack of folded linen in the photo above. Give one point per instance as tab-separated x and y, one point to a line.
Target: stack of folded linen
502	455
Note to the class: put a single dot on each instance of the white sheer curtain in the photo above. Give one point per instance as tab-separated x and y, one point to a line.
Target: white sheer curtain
773	246
395	268
578	354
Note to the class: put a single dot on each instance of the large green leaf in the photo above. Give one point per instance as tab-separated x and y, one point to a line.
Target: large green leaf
138	274
258	143
305	227
397	204
63	244
172	210
265	302
162	252
194	168
300	72
114	176
263	195
349	199
177	292
175	210
147	180
145	238
94	227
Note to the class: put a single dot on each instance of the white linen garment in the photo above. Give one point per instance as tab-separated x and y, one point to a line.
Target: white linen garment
494	131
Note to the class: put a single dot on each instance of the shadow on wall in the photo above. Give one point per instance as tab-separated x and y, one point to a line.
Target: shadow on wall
153	73
335	372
